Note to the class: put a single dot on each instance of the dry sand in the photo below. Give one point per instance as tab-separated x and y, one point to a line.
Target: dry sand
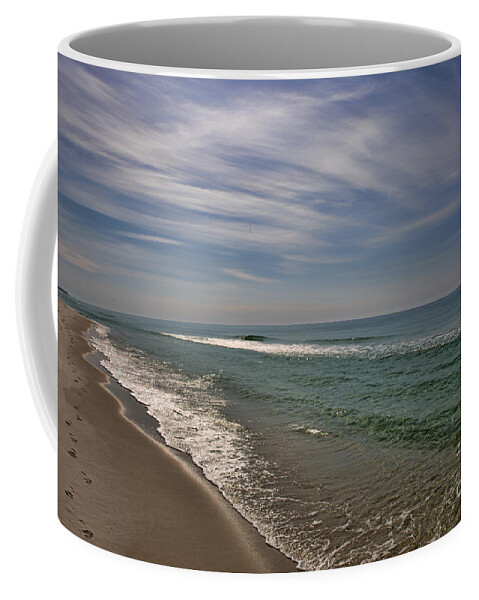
121	490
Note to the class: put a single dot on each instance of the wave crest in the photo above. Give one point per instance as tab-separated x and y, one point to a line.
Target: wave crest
326	349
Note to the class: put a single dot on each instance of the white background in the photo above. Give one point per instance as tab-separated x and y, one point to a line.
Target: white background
41	558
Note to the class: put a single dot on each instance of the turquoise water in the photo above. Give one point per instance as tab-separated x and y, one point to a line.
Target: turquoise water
338	441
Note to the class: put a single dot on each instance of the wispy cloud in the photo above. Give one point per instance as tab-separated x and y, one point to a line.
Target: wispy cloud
308	184
78	260
148	238
246	276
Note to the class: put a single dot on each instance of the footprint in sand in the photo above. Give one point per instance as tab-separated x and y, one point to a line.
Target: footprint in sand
79	418
69	494
72	453
87	533
73	439
86	479
69	423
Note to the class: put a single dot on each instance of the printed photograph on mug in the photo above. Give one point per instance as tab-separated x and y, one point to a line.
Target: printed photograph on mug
259	315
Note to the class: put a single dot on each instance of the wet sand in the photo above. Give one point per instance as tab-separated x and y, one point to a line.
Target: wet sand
121	490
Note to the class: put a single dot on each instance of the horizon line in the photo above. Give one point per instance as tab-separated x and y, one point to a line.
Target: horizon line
396	312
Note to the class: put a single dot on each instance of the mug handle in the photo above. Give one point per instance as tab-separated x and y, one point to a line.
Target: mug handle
36	328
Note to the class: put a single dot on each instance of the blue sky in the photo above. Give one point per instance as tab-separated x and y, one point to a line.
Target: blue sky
259	202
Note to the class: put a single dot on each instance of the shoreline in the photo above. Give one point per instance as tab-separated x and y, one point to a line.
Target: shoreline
136	412
123	489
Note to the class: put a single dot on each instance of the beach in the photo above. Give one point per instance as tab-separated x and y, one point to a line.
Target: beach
213	407
124	491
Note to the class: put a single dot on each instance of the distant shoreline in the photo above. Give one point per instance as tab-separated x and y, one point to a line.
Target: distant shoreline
122	491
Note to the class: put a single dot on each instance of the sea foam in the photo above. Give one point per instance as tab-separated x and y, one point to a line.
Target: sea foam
326	349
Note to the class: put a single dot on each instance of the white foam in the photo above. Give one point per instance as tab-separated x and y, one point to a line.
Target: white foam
190	421
190	416
339	350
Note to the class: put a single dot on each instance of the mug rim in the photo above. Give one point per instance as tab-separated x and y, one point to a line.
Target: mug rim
65	49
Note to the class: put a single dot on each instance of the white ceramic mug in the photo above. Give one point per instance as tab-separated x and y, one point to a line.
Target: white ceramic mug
259	291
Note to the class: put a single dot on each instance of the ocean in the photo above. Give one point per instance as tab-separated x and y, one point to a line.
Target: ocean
338	441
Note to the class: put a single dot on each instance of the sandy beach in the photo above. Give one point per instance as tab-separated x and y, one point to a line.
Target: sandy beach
121	490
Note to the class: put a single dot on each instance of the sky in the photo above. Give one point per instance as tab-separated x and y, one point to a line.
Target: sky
259	202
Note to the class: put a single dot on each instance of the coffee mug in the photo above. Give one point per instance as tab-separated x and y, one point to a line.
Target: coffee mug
259	291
